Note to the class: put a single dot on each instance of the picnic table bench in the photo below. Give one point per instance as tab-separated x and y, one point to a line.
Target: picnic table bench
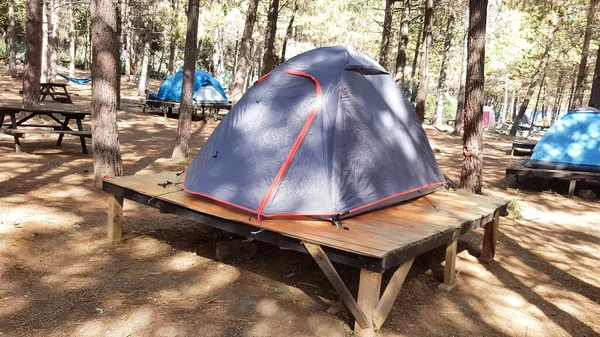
523	146
388	238
523	168
59	124
166	107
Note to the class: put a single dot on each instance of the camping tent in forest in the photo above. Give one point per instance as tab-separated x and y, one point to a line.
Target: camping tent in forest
206	89
328	133
572	143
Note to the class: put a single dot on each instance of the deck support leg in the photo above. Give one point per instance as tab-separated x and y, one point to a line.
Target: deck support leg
488	248
450	266
368	297
115	218
389	294
572	184
362	319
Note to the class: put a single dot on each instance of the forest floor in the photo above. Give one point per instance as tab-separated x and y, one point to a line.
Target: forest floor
60	277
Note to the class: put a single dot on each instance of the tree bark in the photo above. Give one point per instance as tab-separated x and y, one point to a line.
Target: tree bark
595	95
33	55
184	128
505	104
12	41
244	55
125	37
441	90
288	32
146	57
119	44
471	176
105	59
557	96
52	51
174	36
414	65
460	106
582	73
72	41
536	77
384	49
268	62
537	102
402	44
427	37
44	73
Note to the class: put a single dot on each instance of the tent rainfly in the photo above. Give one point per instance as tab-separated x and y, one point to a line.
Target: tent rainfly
572	143
207	89
327	134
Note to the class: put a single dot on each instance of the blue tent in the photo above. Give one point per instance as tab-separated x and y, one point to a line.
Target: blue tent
572	143
206	88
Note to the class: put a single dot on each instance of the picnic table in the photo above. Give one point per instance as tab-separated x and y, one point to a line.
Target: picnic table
58	123
166	107
384	239
525	146
57	91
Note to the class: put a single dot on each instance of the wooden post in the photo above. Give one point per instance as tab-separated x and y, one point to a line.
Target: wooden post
450	267
389	294
368	297
363	319
13	122
572	188
488	248
114	224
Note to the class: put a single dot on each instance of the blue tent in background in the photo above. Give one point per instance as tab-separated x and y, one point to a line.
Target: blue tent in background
572	143
206	89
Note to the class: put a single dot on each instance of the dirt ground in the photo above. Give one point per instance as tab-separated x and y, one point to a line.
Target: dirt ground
60	277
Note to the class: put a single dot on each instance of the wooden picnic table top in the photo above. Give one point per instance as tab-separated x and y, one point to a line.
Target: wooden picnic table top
396	233
48	108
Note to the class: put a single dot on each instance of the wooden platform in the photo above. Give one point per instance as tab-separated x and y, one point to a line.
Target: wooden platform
522	168
374	241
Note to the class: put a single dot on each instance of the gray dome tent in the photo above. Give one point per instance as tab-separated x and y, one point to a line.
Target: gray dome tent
326	134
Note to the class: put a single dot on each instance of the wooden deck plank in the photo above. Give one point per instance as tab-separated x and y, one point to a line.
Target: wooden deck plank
373	234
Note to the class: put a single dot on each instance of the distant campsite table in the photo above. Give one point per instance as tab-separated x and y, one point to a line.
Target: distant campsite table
57	91
58	123
374	242
167	108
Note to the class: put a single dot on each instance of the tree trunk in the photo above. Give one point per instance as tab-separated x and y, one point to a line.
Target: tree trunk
414	65
72	41
557	96
173	38
44	74
105	59
146	58
513	111
129	35
184	128
422	91
119	44
52	18
582	73
12	41
125	37
537	102
441	90
402	44
460	106
33	55
595	95
471	176
384	49
505	105
536	77
288	32
268	62
244	56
